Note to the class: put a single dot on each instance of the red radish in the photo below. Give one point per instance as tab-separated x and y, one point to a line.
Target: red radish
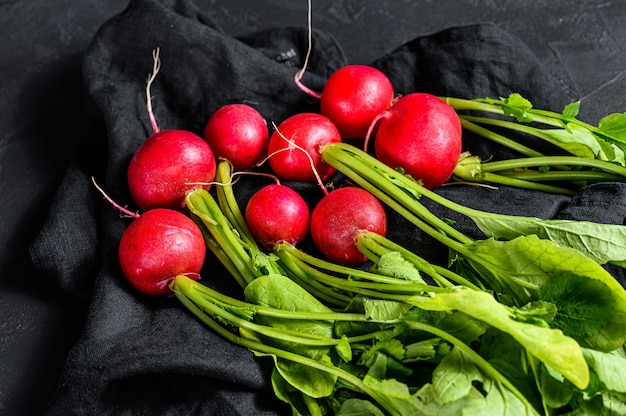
353	96
166	166
295	147
277	213
239	134
159	245
422	135
339	216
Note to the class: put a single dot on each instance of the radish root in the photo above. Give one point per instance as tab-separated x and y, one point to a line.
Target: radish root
117	206
155	70
300	73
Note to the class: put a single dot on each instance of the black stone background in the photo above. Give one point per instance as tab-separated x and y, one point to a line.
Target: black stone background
581	43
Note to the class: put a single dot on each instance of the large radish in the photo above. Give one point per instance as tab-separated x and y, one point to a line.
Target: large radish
159	245
420	134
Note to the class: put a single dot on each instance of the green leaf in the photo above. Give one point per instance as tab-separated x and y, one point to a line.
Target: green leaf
397	393
614	126
521	266
609	367
285	392
453	377
583	306
311	381
263	263
383	366
358	407
344	350
384	310
421	350
579	142
393	264
303	378
280	292
499	401
538	312
600	405
516	105
392	347
509	357
431	407
463	326
602	242
571	110
549	345
555	391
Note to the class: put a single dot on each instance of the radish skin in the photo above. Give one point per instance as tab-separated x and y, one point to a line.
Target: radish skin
277	213
295	147
422	135
159	245
337	219
166	166
353	96
237	133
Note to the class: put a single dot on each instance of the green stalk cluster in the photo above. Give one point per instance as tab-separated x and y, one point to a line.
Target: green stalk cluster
589	154
384	341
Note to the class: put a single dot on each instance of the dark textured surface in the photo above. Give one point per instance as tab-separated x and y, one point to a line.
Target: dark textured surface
40	95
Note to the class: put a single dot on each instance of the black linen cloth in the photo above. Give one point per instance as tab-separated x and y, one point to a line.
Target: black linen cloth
140	355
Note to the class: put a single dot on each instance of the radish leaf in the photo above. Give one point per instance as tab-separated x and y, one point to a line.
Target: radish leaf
549	345
602	242
453	377
609	367
582	305
614	125
519	267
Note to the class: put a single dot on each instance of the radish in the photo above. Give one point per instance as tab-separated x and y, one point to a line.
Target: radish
421	134
353	96
168	164
239	134
277	213
295	146
157	246
337	219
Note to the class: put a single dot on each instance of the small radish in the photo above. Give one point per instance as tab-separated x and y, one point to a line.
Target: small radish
295	147
164	168
277	213
421	134
339	216
239	134
352	96
157	246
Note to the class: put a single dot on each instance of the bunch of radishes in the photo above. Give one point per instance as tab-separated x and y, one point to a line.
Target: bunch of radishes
418	133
